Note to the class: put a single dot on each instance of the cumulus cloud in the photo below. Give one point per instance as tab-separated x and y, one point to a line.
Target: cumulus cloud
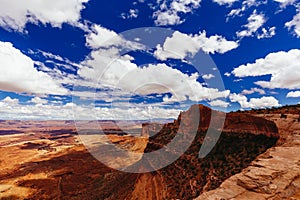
294	24
246	4
107	64
208	76
236	12
293	94
227	74
38	101
250	3
282	66
169	14
15	15
284	3
255	21
225	2
9	100
219	103
168	17
132	13
107	68
267	33
12	109
100	37
181	45
263	102
158	78
184	87
254	90
18	74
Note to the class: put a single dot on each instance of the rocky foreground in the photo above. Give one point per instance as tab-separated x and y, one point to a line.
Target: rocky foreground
275	174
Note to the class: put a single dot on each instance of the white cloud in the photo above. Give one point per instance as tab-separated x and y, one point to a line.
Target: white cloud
262	102
15	15
267	33
127	76
132	13
168	17
284	3
107	64
9	100
219	103
240	98
54	58
19	75
208	76
294	94
246	4
236	12
181	45
227	74
294	24
225	2
107	68
38	101
12	109
250	3
100	37
237	80
253	90
255	21
185	86
282	66
170	14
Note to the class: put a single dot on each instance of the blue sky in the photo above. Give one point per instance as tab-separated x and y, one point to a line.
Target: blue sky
93	60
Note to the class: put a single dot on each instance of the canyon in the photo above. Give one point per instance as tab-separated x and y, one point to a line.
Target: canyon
47	160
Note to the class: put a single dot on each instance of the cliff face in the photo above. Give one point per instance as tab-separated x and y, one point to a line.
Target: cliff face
243	138
241	123
235	122
275	174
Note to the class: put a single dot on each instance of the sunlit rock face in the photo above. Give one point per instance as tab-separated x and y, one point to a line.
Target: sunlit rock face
243	137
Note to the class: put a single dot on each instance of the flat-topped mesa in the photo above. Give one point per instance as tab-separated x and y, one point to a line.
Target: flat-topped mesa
204	117
245	123
196	115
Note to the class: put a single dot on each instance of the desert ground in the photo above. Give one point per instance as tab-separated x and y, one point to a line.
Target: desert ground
256	156
37	156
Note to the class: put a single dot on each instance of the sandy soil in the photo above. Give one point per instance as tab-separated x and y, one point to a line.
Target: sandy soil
47	160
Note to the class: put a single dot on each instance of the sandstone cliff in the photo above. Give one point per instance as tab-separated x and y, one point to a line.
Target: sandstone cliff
275	174
243	138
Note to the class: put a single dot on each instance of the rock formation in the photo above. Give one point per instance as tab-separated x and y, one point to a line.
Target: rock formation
243	138
149	129
275	174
